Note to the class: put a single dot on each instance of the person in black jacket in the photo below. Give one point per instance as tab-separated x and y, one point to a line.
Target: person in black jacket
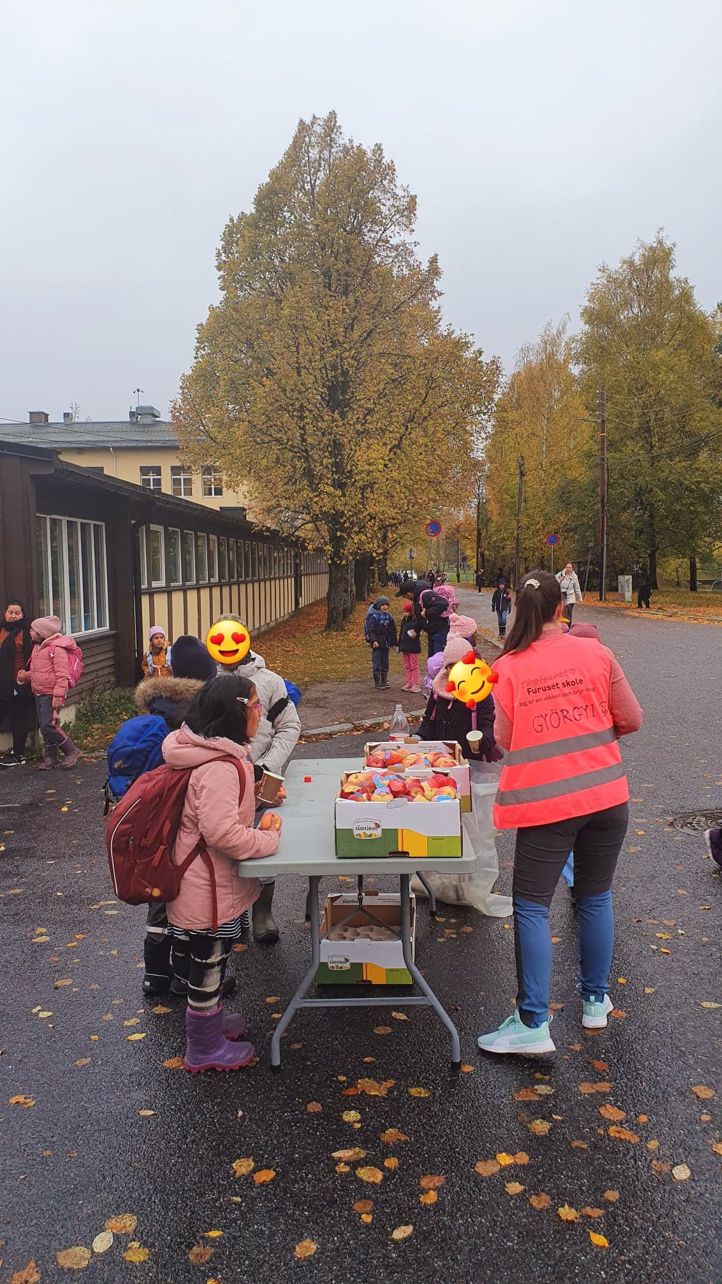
16	701
380	630
446	718
501	604
430	611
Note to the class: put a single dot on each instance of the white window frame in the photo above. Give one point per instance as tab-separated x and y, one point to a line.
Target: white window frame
160	532
213	559
192	579
157	468
211	482
61	606
178	472
201	536
175	530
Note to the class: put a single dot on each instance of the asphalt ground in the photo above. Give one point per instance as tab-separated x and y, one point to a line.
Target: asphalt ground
82	1153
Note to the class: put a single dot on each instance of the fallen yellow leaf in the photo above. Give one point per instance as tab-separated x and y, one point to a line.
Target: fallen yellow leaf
242	1167
363	1206
200	1253
433	1181
588	1088
611	1196
487	1167
314	1108
539	1201
513	1188
592	1212
521	1157
418	1092
350	1156
102	1242
430	1197
382	1029
540	1127
135	1252
146	1114
372	1175
366	1218
392	1135
401	1232
264	1175
608	1111
350	1116
399	1016
503	1160
391	1163
213	1234
28	1275
73	1259
600	1240
21	1100
82	1061
681	1172
305	1248
133	1038
122	1224
161	1010
702	1092
568	1214
622	1134
272	998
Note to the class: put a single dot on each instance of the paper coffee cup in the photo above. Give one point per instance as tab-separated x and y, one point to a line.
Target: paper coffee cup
474	738
270	787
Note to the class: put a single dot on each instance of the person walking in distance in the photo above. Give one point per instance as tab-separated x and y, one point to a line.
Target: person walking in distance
561	704
501	605
571	590
644	591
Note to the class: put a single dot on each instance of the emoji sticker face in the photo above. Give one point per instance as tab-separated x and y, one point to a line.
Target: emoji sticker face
471	680
228	641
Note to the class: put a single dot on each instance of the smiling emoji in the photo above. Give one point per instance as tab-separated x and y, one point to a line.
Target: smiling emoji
228	641
471	680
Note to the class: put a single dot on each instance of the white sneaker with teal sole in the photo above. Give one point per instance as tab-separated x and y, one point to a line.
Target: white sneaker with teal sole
515	1037
594	1012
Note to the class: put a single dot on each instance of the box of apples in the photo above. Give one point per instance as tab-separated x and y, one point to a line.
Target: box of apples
382	813
417	758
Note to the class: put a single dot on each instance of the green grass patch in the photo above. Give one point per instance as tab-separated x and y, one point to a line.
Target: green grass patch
98	716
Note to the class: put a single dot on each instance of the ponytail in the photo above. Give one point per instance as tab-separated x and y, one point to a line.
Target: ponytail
537	599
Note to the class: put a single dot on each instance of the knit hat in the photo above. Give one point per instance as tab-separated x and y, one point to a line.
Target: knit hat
462	626
381	601
585	630
408	606
155	628
456	648
190	659
47	626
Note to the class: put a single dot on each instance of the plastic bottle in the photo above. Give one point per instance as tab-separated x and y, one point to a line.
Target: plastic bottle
399	725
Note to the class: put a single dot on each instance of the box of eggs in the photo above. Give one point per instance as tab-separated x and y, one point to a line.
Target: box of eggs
414	757
360	950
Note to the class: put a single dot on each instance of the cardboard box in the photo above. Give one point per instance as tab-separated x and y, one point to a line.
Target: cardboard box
363	962
459	773
370	830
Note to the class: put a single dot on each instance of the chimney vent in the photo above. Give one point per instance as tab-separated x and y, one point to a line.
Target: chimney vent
39	417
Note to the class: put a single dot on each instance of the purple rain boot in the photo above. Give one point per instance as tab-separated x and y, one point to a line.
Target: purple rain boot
207	1048
234	1026
71	754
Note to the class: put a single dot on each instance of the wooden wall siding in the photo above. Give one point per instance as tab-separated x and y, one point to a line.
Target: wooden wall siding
100	656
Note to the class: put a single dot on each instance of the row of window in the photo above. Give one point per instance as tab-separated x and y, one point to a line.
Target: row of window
181	480
72	571
169	556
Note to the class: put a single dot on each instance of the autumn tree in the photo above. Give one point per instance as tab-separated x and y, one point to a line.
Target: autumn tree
324	380
656	352
541	417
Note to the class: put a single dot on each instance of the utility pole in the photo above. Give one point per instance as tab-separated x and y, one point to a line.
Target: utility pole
519	503
602	494
478	527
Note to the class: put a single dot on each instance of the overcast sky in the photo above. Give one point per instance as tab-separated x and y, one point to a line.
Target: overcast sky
541	137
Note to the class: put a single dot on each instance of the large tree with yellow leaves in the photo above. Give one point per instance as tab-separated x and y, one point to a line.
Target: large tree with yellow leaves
324	380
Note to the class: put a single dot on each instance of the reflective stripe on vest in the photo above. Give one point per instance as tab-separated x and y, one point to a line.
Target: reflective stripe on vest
559	684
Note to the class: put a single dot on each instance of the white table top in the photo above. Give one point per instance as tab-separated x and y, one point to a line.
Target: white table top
308	844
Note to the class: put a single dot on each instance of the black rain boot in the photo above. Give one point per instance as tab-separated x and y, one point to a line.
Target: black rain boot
265	931
377	680
384	683
158	970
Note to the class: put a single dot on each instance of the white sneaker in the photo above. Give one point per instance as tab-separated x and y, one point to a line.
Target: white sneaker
594	1015
515	1037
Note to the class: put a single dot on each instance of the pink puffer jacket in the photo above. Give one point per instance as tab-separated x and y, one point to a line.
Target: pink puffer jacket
48	666
214	811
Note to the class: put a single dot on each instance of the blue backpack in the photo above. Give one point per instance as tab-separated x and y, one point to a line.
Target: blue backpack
294	692
134	749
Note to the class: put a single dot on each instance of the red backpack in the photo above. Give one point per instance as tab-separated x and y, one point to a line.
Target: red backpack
140	836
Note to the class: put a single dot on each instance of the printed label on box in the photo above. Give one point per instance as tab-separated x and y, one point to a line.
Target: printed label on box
367	828
337	963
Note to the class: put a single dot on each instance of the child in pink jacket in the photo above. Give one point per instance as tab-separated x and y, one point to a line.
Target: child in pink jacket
47	673
218	813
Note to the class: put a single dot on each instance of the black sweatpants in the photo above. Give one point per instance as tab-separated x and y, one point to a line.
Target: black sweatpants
542	850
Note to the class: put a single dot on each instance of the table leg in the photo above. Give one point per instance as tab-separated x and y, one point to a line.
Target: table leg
307	982
429	892
418	978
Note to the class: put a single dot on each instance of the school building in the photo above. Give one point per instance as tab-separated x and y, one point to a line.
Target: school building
111	558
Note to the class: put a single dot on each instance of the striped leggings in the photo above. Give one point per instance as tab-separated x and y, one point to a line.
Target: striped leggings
203	960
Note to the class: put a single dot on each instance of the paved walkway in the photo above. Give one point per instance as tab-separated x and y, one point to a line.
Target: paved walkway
114	1130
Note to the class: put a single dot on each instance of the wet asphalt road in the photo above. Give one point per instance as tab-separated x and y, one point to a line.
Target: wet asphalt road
82	1153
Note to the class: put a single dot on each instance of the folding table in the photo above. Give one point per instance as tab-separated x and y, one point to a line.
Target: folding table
308	848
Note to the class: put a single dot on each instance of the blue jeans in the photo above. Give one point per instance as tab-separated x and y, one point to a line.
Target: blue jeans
501	617
541	853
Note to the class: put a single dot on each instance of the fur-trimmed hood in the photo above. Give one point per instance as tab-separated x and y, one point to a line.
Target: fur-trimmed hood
169	690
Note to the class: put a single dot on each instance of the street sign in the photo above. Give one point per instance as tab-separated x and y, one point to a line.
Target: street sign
552	540
433	529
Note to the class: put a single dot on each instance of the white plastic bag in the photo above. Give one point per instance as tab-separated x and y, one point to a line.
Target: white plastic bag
475	886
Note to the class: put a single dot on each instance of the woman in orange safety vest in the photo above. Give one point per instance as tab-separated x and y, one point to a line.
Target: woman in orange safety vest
561	704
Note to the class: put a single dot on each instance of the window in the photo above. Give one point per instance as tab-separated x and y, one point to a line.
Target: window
189	558
201	557
143	554
173	549
223	558
232	563
254	560
150	476
241	560
72	572
157	556
181	481
211	481
213	558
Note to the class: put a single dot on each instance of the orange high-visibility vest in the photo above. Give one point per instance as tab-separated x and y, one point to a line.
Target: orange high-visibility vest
564	759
